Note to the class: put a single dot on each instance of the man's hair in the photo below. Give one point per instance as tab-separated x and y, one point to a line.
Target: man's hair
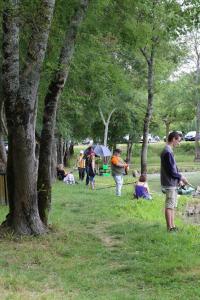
117	151
173	134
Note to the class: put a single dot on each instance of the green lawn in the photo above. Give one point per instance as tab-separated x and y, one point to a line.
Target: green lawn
103	247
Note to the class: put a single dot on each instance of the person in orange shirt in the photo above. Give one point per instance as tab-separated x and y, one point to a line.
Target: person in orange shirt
118	170
81	165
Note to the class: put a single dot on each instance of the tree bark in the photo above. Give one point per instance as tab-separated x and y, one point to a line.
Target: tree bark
49	117
129	151
197	146
167	129
149	111
3	127
67	155
54	161
20	91
60	150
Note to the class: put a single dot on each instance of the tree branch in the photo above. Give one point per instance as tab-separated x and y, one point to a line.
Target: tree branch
102	116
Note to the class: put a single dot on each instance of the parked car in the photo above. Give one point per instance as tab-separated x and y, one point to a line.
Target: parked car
151	138
190	136
87	141
157	138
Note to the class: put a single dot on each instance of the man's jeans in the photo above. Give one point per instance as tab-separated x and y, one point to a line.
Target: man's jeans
119	182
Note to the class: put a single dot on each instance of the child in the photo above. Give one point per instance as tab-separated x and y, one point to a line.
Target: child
69	178
142	189
81	165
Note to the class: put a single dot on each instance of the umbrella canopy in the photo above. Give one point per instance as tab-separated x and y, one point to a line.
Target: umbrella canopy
101	150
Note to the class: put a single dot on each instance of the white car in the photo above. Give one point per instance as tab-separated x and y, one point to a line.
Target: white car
190	136
150	139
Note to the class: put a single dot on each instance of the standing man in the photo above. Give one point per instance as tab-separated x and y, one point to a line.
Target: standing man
170	178
118	170
87	153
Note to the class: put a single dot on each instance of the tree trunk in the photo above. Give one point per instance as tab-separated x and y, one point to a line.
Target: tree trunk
54	162
106	124
129	151
147	118
3	130
67	155
71	149
49	117
167	129
197	147
20	105
60	152
197	82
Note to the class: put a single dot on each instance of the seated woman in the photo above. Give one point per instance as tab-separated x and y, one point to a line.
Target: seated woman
61	172
142	189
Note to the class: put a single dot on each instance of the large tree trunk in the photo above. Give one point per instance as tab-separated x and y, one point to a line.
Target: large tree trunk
20	104
3	127
49	117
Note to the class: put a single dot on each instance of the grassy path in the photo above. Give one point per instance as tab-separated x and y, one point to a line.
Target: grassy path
102	247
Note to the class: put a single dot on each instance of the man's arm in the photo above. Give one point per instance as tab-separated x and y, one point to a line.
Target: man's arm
170	166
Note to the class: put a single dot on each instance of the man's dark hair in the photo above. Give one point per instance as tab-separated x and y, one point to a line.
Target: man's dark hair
173	134
118	151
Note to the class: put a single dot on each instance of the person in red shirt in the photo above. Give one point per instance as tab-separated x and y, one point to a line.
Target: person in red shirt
118	170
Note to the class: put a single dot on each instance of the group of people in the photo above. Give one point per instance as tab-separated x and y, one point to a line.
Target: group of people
170	176
85	164
119	169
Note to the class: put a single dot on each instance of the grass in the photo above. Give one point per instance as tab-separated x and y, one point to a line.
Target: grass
103	247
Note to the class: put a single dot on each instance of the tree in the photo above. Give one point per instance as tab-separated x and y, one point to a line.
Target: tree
49	117
145	29
174	103
20	88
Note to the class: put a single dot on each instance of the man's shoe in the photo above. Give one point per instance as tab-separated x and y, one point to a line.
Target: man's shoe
173	229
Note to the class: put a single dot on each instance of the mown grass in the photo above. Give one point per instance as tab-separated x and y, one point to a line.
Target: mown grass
103	247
